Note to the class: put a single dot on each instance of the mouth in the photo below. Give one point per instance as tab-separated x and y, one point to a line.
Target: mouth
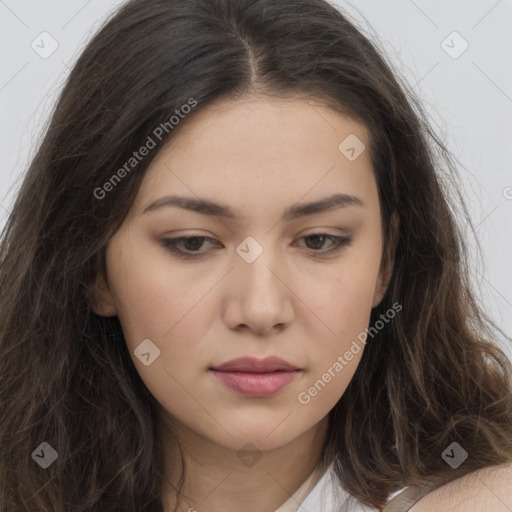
255	377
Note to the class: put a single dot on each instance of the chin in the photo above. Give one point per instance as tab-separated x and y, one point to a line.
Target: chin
261	437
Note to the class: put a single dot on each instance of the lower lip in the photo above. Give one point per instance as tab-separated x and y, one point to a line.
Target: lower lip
255	384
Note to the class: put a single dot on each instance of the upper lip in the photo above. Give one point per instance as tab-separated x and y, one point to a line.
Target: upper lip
252	364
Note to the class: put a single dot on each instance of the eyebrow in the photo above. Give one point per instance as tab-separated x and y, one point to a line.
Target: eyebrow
211	208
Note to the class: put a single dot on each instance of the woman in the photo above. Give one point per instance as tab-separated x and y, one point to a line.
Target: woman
232	268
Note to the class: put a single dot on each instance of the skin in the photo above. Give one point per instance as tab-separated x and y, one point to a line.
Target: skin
488	489
259	156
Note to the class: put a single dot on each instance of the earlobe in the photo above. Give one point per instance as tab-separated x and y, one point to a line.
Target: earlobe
388	261
377	297
101	299
380	290
383	281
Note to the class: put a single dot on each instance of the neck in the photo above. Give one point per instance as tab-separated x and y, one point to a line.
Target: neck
219	479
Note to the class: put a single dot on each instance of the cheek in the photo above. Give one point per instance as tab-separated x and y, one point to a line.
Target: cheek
336	356
162	306
158	303
343	298
344	304
326	384
144	290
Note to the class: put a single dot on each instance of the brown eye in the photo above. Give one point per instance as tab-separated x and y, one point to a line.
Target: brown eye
317	242
191	245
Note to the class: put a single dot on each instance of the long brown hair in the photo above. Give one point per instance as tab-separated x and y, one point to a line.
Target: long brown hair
432	376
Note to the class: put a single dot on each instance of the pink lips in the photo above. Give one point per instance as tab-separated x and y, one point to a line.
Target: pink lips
255	377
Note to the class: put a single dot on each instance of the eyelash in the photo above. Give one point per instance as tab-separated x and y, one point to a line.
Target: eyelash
171	245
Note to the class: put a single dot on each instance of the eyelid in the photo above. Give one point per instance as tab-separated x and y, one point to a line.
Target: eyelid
339	242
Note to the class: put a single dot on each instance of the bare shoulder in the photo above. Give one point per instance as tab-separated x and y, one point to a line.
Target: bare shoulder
481	491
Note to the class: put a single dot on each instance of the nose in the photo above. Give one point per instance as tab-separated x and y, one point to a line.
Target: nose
258	296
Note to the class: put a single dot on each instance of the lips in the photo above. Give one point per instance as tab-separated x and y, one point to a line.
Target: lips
253	365
255	377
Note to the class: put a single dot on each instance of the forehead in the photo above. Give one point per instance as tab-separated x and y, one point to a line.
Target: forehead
263	151
264	123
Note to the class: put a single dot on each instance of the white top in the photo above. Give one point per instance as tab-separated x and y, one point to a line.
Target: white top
321	492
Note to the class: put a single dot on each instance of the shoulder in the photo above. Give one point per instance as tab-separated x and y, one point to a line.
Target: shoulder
481	491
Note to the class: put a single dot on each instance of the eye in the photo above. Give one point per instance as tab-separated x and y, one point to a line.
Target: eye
318	240
192	243
188	247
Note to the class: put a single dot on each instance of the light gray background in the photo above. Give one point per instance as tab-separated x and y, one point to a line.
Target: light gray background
469	99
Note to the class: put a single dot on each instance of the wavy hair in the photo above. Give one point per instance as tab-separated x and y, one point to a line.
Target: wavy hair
433	375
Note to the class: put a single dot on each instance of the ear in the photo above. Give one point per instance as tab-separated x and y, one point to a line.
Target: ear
101	299
388	261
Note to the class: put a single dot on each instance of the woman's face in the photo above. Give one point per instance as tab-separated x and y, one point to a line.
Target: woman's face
259	283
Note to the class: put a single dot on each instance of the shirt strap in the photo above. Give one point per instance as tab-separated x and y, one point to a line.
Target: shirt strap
403	501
